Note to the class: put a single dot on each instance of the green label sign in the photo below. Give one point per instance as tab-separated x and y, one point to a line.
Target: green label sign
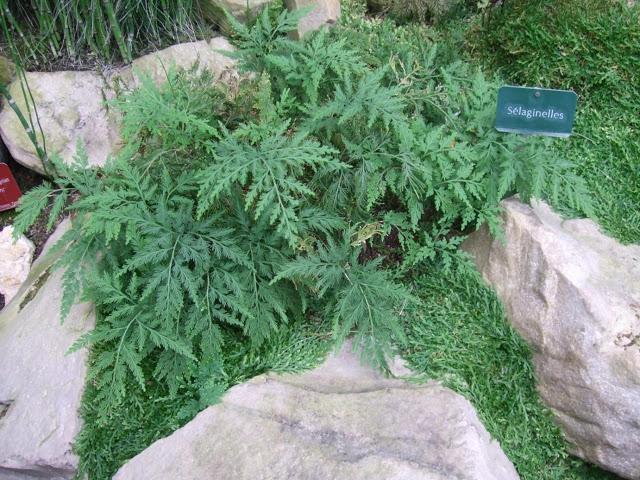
537	111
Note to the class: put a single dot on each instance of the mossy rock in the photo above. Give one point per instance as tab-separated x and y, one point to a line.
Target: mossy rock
7	70
214	11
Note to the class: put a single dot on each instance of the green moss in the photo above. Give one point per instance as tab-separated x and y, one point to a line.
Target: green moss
150	414
460	336
592	47
418	10
35	288
7	70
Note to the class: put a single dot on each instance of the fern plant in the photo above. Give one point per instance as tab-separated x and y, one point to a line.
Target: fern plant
309	193
415	133
359	298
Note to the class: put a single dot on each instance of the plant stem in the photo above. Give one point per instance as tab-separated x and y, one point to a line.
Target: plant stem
113	21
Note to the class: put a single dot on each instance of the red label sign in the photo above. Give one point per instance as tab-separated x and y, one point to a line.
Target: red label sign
9	189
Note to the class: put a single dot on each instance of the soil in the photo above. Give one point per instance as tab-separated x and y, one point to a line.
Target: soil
27	179
390	249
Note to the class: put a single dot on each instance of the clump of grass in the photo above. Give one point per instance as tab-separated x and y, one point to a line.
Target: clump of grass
81	33
460	336
592	47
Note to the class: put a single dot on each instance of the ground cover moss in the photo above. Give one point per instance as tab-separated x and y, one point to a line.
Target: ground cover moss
460	335
593	48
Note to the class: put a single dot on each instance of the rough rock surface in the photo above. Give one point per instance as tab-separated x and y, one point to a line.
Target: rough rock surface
15	262
7	70
574	295
40	386
213	10
184	55
71	108
340	421
325	12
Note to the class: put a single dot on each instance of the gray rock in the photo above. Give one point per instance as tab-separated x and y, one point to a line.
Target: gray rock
70	109
340	421
213	11
40	386
71	105
325	12
15	262
574	295
207	53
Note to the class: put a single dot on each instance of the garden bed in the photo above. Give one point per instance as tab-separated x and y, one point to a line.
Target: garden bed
252	225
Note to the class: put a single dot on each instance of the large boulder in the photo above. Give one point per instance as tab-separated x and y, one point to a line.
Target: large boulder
341	420
323	12
574	294
40	386
15	262
71	105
